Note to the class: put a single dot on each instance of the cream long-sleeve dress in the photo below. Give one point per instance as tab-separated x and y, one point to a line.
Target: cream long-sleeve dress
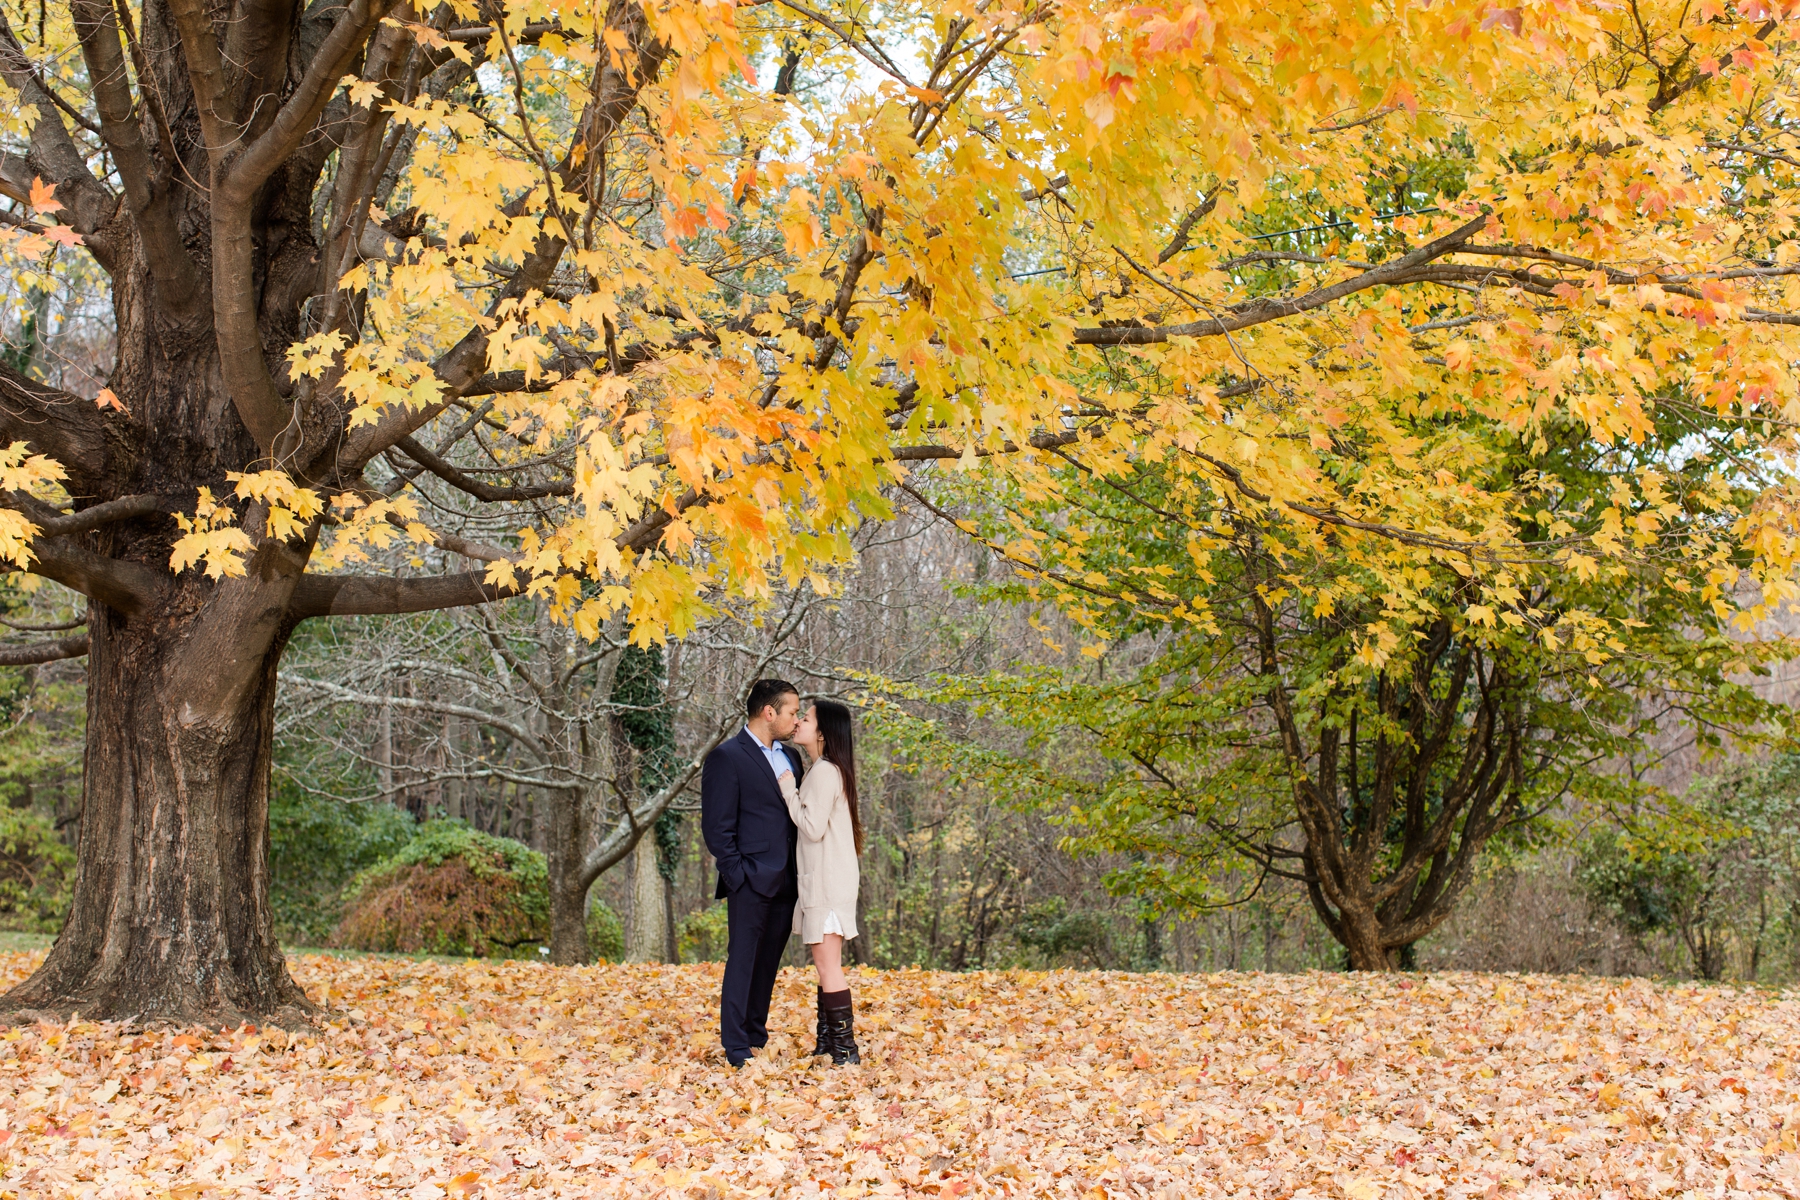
826	855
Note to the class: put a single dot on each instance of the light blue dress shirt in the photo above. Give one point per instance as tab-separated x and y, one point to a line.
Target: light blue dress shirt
777	758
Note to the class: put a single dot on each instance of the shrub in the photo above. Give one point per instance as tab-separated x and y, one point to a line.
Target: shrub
703	936
606	933
36	872
316	846
451	890
1063	937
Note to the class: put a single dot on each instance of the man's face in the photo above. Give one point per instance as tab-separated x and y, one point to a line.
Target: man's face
783	718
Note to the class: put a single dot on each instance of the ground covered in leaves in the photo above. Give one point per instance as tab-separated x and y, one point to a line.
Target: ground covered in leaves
430	1079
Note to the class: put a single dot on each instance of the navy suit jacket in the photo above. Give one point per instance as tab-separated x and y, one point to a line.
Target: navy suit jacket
745	821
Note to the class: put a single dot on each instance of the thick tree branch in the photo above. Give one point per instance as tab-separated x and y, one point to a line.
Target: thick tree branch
616	93
63	426
377	595
43	652
206	75
53	154
300	111
644	533
147	197
349	235
69	110
127	587
1668	91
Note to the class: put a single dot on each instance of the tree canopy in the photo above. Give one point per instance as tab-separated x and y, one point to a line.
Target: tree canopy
711	260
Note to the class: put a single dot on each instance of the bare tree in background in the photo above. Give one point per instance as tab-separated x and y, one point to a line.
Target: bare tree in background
458	713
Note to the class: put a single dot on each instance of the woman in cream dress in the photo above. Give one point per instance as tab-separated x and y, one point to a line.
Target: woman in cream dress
824	808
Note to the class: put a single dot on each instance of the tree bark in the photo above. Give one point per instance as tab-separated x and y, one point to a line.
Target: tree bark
171	919
566	857
568	925
1363	945
649	914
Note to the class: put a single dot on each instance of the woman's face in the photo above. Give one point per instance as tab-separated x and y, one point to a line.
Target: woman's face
806	734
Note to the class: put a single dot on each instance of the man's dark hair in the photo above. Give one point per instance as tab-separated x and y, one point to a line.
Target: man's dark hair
768	691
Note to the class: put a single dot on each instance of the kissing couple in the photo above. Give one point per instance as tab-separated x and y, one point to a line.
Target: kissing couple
786	837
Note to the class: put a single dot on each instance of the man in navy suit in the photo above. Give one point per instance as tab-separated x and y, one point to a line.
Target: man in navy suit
746	825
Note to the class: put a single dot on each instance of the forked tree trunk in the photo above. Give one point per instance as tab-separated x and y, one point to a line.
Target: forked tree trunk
1363	946
171	918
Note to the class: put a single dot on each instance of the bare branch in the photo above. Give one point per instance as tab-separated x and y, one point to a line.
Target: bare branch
474	487
1262	311
125	508
1178	242
1370	119
370	595
1754	152
1043	441
43	652
350	695
52	627
873	54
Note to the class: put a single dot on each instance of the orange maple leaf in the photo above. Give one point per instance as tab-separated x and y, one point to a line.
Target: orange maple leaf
43	197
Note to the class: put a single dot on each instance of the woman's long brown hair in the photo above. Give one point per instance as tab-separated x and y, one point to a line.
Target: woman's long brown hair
836	730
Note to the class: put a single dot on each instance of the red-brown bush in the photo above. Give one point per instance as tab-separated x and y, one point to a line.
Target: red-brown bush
442	908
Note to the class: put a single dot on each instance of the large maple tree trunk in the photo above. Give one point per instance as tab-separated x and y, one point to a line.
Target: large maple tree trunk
171	918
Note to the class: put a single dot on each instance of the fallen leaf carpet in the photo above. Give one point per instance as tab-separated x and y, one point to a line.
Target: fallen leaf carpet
429	1079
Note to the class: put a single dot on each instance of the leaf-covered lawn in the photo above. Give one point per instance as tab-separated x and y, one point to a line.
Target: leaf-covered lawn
518	1079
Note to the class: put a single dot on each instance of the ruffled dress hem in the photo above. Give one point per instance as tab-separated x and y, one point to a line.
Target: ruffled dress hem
832	924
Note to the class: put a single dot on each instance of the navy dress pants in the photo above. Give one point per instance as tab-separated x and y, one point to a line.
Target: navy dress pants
759	932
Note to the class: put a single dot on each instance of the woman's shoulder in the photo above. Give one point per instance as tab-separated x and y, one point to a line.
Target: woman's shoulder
824	769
